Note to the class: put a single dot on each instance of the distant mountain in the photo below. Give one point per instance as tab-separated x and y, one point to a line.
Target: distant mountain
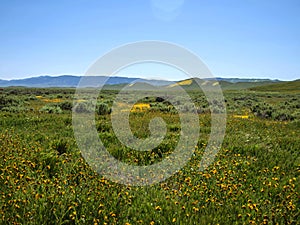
117	83
43	81
73	81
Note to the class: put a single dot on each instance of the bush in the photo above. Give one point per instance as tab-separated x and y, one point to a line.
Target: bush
31	98
103	109
51	109
16	109
281	112
61	146
262	110
282	116
6	101
66	106
82	107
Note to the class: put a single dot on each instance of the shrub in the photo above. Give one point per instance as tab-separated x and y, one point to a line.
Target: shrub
283	112
61	146
282	116
16	109
159	99
51	109
82	107
103	109
66	106
6	101
262	110
31	98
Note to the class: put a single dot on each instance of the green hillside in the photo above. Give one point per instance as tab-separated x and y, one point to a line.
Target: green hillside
134	86
290	86
244	85
191	84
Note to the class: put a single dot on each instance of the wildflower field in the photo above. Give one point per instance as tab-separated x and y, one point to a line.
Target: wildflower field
253	180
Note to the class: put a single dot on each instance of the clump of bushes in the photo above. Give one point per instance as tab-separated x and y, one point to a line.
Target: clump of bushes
279	113
82	107
12	104
51	109
103	109
66	105
164	107
7	101
262	111
282	115
16	109
87	107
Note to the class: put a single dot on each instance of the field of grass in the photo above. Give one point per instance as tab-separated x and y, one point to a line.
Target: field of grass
253	180
288	86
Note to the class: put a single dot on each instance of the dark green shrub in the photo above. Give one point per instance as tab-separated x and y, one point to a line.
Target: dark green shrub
61	146
174	128
103	109
66	106
51	109
6	101
263	111
282	116
82	107
16	109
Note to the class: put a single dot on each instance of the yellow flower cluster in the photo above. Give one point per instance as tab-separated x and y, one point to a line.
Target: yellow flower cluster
140	107
241	116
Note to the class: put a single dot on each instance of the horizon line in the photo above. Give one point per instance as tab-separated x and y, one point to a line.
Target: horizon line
146	78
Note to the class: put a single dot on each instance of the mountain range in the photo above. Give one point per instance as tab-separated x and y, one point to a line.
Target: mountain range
73	81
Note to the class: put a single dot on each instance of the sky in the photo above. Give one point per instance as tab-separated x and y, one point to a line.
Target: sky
234	38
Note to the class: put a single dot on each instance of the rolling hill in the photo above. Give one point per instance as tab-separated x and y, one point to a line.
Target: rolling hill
191	84
72	81
117	83
287	86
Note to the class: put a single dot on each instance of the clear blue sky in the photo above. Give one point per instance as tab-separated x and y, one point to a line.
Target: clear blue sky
241	38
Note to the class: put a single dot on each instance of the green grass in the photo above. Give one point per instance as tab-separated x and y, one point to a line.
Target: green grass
290	86
253	180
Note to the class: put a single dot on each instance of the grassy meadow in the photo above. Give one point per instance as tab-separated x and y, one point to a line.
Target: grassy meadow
254	178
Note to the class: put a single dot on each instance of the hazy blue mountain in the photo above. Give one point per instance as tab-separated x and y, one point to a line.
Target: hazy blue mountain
117	82
72	81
